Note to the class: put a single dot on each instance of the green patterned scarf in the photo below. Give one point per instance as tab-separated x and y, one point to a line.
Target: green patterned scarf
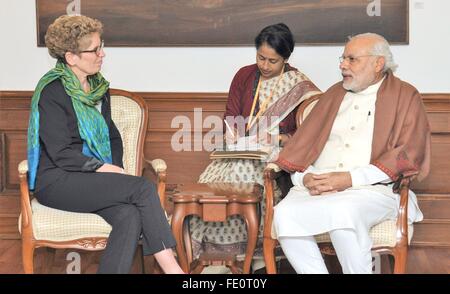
91	124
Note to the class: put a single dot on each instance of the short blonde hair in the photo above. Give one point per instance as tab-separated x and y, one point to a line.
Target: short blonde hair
66	34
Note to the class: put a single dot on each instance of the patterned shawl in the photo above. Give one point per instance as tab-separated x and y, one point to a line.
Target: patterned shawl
92	126
292	89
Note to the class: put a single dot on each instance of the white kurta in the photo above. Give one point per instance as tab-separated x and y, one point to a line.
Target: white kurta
360	207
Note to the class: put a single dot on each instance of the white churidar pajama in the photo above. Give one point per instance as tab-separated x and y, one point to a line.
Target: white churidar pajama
348	215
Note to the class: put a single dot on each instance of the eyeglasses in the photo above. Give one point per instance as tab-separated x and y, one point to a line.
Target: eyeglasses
97	50
352	59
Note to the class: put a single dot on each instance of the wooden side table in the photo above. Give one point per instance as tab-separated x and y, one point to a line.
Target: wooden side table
214	203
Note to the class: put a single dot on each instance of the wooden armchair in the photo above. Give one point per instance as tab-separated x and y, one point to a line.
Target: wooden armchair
389	237
42	226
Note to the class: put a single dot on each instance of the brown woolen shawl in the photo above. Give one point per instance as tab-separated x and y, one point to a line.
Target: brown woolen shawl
401	137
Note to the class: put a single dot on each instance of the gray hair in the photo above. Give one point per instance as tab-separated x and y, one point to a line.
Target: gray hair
380	48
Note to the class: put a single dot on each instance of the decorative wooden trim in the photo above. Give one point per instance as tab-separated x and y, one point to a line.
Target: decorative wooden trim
430	244
5	95
186	96
91	244
15	105
431	233
436	102
435	221
2	162
432	197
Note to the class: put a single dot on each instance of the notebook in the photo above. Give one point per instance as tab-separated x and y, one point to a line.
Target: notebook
239	154
244	148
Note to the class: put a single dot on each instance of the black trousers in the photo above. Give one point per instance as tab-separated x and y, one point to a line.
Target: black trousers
129	204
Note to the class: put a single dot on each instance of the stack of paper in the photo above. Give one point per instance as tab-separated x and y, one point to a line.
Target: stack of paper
224	154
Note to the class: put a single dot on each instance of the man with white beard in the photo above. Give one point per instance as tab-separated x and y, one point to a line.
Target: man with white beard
365	133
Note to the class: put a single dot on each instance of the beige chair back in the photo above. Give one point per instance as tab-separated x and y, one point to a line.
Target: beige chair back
128	116
305	109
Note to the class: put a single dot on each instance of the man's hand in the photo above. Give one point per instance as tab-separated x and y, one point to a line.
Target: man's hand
109	168
320	184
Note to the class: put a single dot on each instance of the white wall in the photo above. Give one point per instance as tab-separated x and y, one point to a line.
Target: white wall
425	62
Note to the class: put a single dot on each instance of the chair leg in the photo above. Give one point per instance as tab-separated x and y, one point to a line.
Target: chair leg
390	262
187	241
251	219
28	256
177	230
400	256
153	266
196	267
269	255
157	270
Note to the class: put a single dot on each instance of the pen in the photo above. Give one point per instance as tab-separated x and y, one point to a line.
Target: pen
229	128
368	116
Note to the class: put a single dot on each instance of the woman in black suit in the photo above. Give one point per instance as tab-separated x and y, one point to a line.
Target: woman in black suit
75	150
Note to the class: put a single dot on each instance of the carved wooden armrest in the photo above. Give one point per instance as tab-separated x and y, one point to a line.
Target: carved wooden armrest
23	167
159	165
272	171
401	186
25	198
155	167
155	170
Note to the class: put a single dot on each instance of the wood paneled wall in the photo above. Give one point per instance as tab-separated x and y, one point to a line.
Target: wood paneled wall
185	167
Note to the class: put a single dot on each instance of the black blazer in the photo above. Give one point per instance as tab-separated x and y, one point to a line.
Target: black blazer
61	144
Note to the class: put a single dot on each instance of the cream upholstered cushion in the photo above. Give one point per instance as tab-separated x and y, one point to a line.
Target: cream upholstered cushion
58	225
383	234
127	116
